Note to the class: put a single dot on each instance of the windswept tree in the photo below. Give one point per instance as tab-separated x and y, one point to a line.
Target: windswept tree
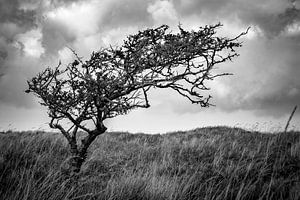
116	80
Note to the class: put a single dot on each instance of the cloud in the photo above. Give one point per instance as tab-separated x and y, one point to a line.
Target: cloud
267	73
163	12
21	47
126	13
31	41
66	24
36	34
18	68
14	20
273	24
265	79
70	25
11	11
55	36
271	16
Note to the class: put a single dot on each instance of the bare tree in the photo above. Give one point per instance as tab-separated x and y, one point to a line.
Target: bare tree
116	80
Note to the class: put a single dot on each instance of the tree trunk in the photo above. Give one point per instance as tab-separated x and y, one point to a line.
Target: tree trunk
73	164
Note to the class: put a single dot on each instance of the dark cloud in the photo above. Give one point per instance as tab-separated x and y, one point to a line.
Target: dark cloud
266	77
56	36
271	16
59	2
200	7
273	23
14	19
127	13
3	54
11	11
15	70
18	18
6	50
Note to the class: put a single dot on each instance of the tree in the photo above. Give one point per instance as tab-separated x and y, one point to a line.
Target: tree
116	80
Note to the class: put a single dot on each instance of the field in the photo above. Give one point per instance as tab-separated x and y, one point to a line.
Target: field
205	163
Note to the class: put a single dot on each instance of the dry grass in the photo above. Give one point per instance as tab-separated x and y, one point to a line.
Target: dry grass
209	163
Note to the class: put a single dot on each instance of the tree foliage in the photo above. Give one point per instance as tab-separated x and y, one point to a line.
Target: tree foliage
116	80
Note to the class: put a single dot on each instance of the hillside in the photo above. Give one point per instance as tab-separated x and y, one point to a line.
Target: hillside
204	163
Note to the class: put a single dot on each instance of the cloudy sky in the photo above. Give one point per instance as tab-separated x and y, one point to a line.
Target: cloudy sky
262	92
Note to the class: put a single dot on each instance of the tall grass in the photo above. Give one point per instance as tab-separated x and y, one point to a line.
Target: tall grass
208	163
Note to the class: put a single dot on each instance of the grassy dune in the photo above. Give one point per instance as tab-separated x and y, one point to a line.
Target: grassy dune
207	163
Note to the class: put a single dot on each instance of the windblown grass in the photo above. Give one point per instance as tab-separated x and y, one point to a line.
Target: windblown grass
208	163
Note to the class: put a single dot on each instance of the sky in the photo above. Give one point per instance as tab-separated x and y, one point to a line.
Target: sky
260	95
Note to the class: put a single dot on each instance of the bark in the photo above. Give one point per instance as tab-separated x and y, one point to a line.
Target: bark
73	164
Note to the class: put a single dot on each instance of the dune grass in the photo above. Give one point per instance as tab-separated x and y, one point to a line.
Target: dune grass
207	163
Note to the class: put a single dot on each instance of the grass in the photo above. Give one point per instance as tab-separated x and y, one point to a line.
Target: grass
207	163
